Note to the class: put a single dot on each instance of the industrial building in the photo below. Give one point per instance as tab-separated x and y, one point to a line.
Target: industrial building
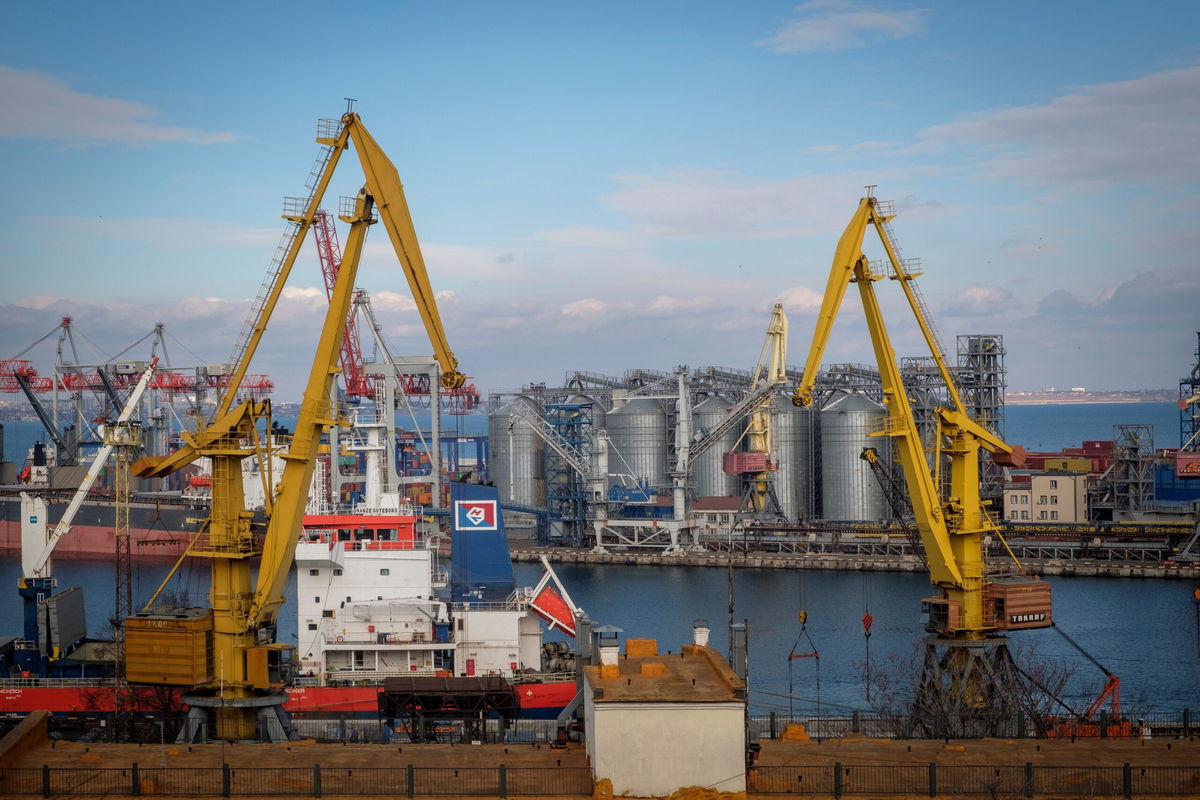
586	463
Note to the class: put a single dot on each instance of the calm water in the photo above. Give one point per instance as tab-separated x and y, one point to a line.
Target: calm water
1143	630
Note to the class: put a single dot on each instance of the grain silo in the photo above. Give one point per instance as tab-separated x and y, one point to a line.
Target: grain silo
849	490
708	478
637	433
515	460
792	447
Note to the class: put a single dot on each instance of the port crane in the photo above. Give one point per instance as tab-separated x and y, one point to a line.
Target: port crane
968	679
37	546
227	654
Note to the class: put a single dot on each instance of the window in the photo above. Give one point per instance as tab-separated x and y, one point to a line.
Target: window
1024	515
327	613
1041	515
337	570
316	599
312	626
1014	515
1042	500
1053	499
1053	515
1013	499
1053	484
314	572
1024	499
385	571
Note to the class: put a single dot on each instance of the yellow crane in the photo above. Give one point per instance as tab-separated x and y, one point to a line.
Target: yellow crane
227	653
968	669
759	496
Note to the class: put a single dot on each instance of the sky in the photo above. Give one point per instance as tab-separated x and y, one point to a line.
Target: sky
611	186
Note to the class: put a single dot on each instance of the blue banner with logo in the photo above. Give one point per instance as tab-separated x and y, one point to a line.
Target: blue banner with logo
480	568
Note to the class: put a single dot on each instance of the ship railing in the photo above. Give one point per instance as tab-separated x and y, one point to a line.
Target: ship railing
56	683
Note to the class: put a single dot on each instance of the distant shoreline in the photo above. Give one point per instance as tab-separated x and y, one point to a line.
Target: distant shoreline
1022	401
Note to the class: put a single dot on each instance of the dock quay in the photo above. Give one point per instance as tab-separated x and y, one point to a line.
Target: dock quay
843	561
850	766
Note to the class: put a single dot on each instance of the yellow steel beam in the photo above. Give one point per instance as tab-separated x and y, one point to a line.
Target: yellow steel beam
383	182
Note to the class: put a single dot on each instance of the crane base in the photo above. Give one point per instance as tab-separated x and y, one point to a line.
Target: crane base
969	689
259	718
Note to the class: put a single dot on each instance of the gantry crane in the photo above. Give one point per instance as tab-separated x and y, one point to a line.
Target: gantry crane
968	676
227	653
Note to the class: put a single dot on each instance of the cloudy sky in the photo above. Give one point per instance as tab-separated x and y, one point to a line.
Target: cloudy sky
616	185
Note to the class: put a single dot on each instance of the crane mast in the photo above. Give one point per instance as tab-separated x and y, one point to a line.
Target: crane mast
237	673
968	667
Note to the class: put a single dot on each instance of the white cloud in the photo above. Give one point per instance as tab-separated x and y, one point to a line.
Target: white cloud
700	203
35	105
799	298
1142	130
831	25
587	307
978	299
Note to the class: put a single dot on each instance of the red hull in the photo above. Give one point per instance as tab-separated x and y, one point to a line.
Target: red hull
535	698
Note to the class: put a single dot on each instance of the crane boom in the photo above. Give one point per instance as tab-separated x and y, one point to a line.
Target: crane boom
383	181
39	564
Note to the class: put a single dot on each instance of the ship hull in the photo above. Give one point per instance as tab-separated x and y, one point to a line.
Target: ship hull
539	700
157	531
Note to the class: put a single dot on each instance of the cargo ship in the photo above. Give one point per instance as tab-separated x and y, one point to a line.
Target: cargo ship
375	600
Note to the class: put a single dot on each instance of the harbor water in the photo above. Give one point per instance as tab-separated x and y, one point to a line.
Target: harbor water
1144	630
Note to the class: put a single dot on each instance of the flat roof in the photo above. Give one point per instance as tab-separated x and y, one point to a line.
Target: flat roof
693	675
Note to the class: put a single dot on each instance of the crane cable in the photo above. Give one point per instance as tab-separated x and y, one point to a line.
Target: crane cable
814	655
867	621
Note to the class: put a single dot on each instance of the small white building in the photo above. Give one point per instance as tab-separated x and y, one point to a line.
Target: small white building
658	723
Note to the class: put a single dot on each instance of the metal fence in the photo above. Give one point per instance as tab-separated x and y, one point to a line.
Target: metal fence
1147	724
934	780
930	780
314	781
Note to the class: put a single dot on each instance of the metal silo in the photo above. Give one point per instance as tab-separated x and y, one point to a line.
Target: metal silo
849	490
637	431
515	461
708	479
792	447
598	413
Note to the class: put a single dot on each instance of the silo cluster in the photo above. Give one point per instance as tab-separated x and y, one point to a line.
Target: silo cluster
819	473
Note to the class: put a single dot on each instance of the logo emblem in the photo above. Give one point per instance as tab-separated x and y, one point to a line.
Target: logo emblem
475	515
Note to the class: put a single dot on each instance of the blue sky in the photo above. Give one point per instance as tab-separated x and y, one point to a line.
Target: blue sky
618	185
